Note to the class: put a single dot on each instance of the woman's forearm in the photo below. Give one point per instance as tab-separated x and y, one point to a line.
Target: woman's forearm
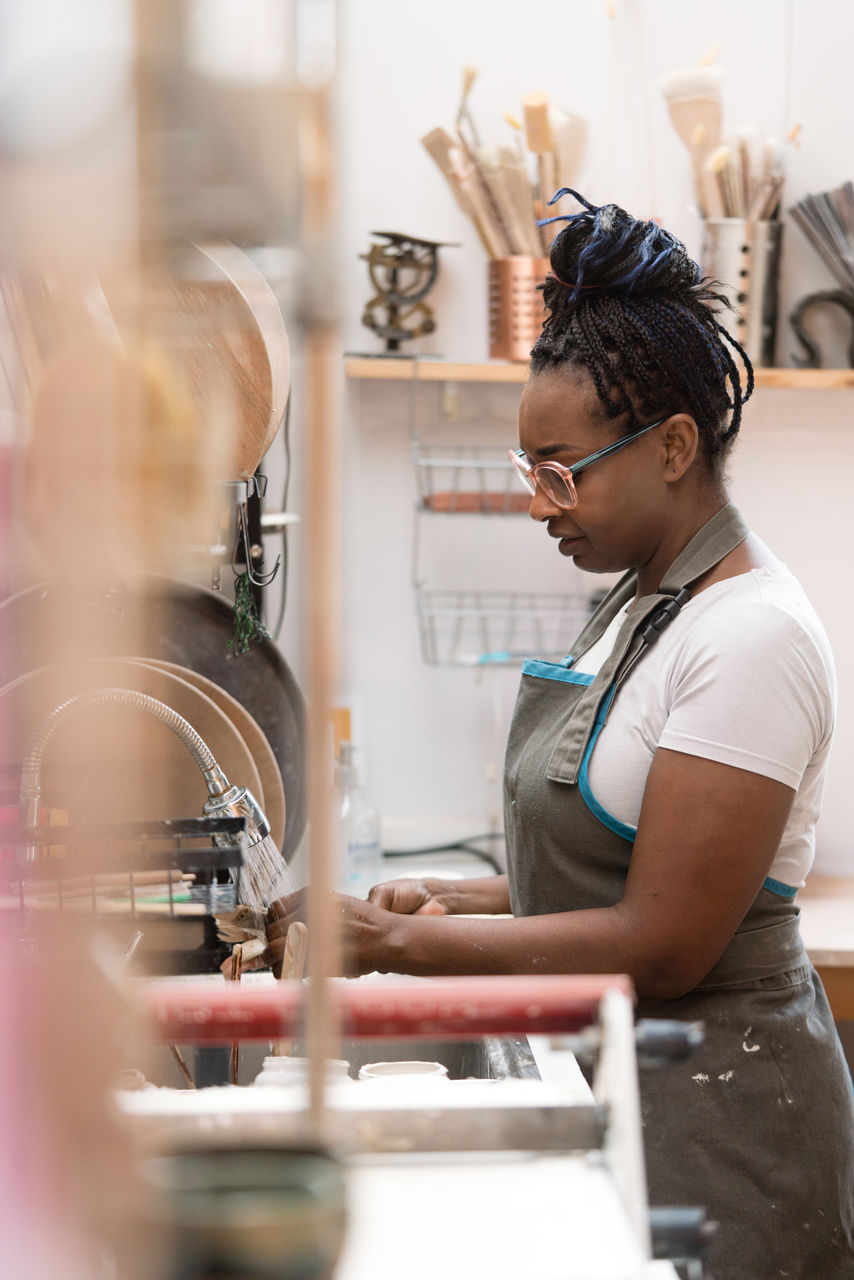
603	940
480	896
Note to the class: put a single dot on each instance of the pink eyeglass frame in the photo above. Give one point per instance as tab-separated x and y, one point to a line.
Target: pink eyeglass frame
529	472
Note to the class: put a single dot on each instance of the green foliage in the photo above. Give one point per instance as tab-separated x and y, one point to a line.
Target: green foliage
247	625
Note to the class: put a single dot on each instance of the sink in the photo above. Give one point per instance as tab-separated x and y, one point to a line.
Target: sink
490	1058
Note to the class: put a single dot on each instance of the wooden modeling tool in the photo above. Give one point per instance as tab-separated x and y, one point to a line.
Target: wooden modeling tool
459	173
482	208
519	202
512	197
293	968
440	146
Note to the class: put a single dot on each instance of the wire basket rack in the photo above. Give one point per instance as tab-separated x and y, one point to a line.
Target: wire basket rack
497	628
124	871
467	479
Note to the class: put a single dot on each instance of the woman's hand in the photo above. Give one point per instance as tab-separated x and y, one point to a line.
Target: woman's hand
414	897
365	932
404	927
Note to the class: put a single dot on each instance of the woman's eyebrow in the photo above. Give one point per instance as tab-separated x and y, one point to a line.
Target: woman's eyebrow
549	449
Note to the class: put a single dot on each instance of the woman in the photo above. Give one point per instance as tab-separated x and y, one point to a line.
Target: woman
663	782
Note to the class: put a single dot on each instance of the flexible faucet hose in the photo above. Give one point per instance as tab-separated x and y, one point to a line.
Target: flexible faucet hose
39	740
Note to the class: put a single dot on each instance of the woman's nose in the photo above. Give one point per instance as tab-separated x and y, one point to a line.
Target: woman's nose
543	507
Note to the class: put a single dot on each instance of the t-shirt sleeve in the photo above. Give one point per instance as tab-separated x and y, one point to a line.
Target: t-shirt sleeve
752	691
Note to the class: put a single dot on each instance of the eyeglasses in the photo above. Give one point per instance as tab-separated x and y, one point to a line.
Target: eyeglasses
556	480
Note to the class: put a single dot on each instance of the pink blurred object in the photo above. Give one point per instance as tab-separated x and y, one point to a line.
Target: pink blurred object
433	1008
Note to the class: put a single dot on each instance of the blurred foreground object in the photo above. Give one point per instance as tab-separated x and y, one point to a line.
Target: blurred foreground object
151	151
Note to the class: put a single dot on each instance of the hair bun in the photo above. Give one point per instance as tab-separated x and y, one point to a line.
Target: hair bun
603	247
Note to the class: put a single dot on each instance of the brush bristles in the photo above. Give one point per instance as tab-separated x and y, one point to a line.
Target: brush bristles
698	82
718	160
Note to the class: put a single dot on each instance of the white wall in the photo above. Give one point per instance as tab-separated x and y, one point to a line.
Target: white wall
432	737
786	63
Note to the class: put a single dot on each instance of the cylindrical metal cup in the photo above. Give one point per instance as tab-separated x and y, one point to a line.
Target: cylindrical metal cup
516	311
745	258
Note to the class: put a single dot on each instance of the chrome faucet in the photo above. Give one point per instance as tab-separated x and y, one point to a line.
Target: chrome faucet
224	800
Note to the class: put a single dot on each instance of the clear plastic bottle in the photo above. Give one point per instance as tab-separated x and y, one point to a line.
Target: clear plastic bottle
361	848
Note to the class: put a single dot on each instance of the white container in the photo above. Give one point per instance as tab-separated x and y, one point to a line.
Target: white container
285	1070
745	258
403	1071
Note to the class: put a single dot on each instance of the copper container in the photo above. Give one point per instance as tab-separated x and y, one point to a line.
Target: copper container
516	311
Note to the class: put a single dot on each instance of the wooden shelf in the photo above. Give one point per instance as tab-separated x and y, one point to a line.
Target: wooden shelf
392	369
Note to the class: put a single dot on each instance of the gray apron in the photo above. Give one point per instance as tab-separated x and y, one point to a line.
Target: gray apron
758	1126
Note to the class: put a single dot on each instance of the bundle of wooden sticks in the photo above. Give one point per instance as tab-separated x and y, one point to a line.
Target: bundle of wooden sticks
739	174
492	184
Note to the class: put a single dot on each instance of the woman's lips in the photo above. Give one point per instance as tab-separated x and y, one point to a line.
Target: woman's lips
568	544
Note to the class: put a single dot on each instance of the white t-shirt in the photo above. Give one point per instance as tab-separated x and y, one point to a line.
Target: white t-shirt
745	676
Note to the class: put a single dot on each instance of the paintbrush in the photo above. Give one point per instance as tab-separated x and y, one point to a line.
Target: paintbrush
570	139
464	114
540	141
519	182
182	1066
716	166
693	100
479	190
516	126
766	203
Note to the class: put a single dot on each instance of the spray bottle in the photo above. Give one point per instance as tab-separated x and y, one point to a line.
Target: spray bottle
361	849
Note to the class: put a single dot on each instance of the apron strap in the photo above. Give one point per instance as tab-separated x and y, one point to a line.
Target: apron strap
604	613
645	619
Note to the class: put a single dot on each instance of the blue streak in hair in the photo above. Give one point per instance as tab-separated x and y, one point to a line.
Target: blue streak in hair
609	239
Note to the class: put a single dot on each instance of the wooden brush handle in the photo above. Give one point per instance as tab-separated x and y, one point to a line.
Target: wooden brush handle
296	948
182	1066
236	973
293	968
538	130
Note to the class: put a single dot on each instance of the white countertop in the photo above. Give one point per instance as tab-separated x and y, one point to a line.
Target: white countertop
827	920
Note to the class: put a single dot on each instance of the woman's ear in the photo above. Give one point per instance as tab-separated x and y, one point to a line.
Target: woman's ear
681	444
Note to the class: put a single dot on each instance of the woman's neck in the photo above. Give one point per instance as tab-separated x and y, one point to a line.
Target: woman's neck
681	528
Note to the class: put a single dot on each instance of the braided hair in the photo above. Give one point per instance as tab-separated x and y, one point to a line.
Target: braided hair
627	303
